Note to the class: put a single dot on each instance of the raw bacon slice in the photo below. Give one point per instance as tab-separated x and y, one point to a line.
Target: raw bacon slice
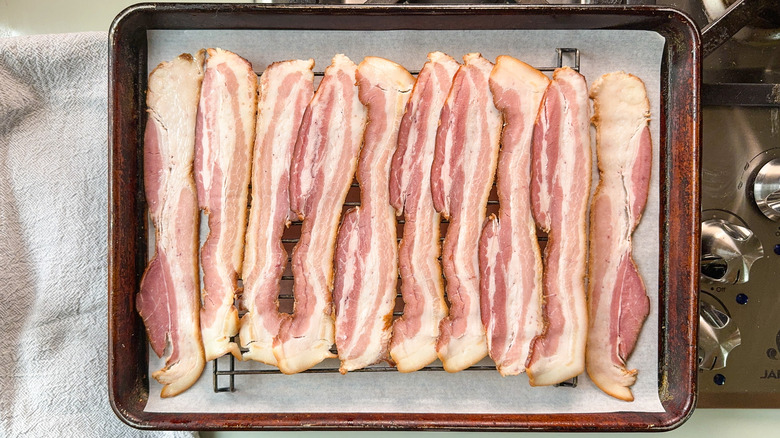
413	345
223	156
323	166
367	249
464	164
560	188
618	304
509	260
168	299
285	88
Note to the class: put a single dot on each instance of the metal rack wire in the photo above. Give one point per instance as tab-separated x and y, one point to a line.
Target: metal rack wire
224	368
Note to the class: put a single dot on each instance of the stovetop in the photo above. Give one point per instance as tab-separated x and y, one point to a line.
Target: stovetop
739	331
739	339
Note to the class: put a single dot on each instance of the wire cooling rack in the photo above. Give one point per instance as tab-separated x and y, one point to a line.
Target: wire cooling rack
224	369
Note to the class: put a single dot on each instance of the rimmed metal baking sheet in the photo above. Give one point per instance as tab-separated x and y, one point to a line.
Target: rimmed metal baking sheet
678	213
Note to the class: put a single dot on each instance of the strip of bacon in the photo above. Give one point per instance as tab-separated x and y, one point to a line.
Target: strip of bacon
223	155
367	249
509	259
413	345
285	88
464	164
168	299
560	188
617	301
323	166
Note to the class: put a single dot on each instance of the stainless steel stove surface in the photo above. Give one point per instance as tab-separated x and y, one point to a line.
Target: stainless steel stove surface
739	334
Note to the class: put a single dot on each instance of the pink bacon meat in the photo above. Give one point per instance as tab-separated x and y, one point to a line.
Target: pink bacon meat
223	156
560	190
323	166
464	164
509	258
617	302
168	299
413	345
367	251
285	88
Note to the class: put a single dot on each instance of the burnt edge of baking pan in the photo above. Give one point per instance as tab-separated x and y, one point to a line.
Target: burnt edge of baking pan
679	199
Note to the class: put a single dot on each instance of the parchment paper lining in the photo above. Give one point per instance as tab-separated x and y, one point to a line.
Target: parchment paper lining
602	51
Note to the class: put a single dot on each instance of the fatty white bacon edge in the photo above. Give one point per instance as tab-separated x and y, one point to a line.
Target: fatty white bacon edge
413	344
323	166
560	188
464	164
223	155
285	88
168	298
510	263
618	303
366	250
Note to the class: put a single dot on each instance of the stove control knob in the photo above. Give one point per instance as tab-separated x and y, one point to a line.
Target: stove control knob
727	252
766	189
718	334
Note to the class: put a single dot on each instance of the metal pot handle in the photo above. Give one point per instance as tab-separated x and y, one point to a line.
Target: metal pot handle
737	15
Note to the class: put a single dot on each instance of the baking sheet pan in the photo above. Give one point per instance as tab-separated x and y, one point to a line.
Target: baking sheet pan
400	35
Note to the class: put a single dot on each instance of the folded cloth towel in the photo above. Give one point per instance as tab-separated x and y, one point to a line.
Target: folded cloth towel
53	221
